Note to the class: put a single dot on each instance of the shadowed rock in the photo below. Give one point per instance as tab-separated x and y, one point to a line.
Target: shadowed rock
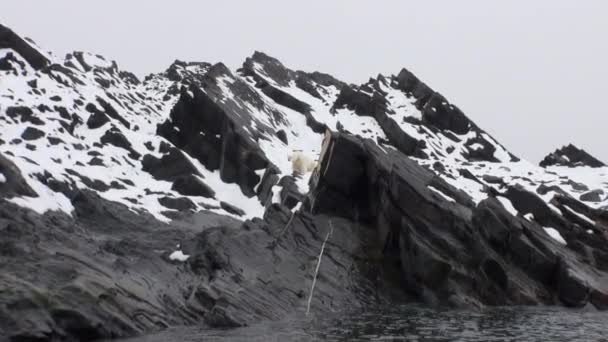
570	156
10	40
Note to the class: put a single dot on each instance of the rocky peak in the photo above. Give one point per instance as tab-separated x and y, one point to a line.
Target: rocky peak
10	40
263	65
183	71
268	71
86	62
570	156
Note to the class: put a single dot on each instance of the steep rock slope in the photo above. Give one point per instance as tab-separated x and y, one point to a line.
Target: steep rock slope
121	199
571	156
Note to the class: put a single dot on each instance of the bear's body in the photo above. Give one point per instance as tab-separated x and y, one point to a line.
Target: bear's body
301	163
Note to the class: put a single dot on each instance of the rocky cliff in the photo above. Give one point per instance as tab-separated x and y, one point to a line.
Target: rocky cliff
128	206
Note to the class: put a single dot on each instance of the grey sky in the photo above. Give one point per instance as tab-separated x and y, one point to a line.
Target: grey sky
532	73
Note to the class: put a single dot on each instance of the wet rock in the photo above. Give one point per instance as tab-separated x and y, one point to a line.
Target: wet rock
573	290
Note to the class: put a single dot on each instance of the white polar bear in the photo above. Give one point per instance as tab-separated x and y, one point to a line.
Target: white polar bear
301	163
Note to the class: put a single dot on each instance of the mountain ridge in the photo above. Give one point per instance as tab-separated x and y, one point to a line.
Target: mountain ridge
106	178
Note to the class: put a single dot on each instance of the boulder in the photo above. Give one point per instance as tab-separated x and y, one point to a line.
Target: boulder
115	137
32	133
170	166
191	185
232	209
592	196
177	203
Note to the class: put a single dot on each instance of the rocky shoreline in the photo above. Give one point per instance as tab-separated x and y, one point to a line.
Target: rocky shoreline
128	206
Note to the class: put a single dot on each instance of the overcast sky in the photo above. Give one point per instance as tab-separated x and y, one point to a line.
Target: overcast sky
533	73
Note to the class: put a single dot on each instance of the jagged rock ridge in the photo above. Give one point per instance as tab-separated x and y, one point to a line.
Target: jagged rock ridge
104	177
571	156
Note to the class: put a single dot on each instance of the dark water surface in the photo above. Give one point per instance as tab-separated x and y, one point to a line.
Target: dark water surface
413	323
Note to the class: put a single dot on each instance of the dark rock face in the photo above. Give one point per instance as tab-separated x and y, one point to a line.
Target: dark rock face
116	138
169	167
216	138
269	179
570	156
435	108
191	185
390	228
25	114
97	118
77	295
510	260
592	196
32	133
283	76
10	40
180	203
232	209
223	293
290	196
375	106
14	184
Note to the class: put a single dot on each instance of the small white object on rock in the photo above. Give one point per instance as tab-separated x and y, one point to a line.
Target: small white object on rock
179	256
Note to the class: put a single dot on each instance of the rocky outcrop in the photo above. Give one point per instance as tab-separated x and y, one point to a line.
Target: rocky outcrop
570	156
260	65
363	104
103	273
451	251
217	139
132	285
170	167
436	110
10	40
125	225
14	184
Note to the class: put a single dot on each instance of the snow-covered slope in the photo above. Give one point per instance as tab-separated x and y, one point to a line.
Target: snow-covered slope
200	136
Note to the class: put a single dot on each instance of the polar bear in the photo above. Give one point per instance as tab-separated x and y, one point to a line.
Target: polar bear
301	163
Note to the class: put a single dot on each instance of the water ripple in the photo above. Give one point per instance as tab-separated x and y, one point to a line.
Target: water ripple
414	323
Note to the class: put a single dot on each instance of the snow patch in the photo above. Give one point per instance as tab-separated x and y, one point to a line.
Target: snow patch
508	205
583	217
179	256
553	233
437	191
